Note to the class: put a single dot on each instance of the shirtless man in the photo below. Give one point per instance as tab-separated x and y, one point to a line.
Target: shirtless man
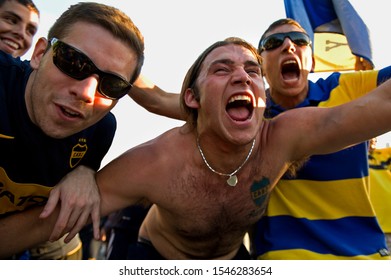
210	180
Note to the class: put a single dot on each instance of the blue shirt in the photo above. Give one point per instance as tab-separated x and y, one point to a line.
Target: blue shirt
31	163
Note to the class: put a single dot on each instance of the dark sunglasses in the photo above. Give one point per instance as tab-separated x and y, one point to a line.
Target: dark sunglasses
77	65
275	40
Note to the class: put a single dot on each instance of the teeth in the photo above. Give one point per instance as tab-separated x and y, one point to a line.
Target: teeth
239	97
11	44
71	112
292	61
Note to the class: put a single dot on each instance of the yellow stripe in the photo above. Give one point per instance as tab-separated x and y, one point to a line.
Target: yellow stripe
308	255
323	199
6	136
350	88
74	250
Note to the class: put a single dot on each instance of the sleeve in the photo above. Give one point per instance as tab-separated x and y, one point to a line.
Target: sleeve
384	75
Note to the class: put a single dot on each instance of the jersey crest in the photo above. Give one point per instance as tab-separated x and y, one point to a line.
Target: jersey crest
78	152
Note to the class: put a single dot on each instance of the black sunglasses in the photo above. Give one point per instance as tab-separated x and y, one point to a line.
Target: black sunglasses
77	65
275	40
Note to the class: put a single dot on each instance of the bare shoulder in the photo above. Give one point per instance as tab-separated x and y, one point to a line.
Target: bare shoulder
138	174
152	152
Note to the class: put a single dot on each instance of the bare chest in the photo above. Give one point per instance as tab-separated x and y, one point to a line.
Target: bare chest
205	205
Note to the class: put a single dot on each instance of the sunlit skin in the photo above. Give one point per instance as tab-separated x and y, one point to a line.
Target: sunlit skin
227	72
18	25
62	106
287	91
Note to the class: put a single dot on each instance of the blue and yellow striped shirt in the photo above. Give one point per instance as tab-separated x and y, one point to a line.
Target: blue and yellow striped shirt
325	211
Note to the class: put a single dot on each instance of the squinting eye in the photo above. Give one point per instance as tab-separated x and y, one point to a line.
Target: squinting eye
256	71
221	70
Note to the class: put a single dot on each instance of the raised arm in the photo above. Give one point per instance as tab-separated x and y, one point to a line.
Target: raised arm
326	130
156	100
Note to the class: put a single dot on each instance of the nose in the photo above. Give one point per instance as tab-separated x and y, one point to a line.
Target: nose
85	89
288	45
241	76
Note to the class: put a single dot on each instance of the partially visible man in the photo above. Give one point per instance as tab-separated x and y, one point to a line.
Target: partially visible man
56	124
380	179
324	212
19	21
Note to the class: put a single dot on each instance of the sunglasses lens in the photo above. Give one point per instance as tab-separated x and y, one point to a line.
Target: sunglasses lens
72	62
113	87
276	40
273	42
299	38
77	65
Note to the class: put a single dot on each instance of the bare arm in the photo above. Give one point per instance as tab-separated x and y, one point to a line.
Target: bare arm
24	230
121	182
326	130
140	174
72	202
156	100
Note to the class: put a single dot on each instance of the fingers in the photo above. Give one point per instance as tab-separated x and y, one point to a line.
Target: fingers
82	220
54	197
72	219
95	216
62	224
79	224
80	200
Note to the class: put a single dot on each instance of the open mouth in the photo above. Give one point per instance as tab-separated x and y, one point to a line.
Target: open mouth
240	107
290	70
69	113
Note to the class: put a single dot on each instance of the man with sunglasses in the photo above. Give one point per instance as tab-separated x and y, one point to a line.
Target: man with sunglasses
324	212
19	21
55	121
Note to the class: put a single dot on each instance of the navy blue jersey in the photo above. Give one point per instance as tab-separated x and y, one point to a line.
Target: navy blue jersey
31	163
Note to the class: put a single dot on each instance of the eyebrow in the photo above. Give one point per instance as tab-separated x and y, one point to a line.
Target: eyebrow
11	13
231	62
19	18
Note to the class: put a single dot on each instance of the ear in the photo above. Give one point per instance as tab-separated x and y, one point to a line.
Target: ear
39	51
190	99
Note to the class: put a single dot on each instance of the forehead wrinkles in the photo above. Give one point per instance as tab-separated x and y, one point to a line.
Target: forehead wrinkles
230	55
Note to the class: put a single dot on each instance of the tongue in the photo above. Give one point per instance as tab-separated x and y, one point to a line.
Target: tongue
239	113
289	76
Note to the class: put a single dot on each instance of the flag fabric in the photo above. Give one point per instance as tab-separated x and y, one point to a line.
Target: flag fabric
341	39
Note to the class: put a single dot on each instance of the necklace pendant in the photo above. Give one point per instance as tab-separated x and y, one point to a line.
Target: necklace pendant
232	180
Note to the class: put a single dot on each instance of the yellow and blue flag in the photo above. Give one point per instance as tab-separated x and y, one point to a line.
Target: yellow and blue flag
341	39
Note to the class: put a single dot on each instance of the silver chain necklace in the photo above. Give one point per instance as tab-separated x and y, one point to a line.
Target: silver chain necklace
232	178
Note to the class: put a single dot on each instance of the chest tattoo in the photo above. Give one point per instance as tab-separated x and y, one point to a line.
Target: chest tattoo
260	191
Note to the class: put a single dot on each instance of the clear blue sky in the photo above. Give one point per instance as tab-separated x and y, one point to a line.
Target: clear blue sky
177	31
